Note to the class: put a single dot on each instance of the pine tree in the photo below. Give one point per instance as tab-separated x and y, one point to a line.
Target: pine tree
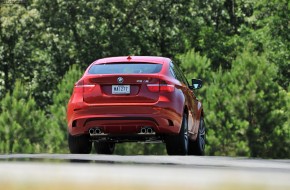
22	126
246	110
195	65
58	110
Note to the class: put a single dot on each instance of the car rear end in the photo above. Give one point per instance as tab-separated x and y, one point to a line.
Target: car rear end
126	99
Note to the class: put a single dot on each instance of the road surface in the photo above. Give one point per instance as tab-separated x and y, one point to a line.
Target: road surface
67	171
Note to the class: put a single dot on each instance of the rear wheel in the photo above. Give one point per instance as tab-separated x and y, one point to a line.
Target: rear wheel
104	147
79	144
178	144
198	147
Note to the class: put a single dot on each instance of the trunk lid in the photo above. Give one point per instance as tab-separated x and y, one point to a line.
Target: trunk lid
119	88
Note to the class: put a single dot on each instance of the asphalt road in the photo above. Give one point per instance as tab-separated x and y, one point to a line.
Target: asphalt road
67	171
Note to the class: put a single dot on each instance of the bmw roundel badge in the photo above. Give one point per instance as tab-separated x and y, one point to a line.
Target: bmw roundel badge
120	80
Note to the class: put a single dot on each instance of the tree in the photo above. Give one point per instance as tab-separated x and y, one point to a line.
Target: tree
243	118
24	128
270	19
26	52
218	24
195	65
58	108
16	25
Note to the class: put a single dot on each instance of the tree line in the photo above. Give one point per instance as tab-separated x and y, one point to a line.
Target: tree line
239	48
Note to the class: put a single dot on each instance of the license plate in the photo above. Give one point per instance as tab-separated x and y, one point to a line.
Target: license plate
120	89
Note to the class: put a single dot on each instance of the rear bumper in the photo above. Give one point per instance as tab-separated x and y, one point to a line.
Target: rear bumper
123	119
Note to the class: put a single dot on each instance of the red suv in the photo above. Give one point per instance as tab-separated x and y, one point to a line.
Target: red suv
135	99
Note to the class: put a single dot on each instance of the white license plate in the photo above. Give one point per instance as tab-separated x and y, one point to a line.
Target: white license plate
120	89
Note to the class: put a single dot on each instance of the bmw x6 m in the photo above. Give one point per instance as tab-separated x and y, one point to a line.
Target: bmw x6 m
135	99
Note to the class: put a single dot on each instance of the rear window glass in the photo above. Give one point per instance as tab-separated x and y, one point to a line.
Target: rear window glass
125	68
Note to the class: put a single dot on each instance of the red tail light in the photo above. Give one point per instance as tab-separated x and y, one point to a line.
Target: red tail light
166	88
81	83
161	87
82	87
153	87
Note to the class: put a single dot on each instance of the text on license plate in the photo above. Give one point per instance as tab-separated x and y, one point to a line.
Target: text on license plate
120	89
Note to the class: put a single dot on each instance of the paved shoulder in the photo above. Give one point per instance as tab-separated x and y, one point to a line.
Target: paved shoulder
141	172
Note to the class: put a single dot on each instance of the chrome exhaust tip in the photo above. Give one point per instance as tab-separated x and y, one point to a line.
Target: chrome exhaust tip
95	131
149	130
143	130
92	131
98	131
146	130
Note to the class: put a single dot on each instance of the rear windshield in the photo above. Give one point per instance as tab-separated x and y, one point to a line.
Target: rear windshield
125	68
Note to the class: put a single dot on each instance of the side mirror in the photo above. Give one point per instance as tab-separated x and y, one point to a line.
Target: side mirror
196	84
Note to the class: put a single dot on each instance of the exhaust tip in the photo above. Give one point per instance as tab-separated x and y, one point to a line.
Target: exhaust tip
143	130
149	130
95	131
91	131
98	131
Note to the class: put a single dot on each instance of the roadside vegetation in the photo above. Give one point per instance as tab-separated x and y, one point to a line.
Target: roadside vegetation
239	48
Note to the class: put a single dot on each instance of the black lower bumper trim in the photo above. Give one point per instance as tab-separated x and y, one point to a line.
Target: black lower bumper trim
122	119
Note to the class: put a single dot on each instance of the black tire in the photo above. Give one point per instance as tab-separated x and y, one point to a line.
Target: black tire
178	144
104	147
79	144
198	147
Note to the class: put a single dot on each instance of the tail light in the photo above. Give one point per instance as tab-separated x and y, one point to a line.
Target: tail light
81	83
153	87
161	87
83	86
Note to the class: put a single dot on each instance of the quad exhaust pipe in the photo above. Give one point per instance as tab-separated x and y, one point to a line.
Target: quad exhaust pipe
95	131
98	131
146	130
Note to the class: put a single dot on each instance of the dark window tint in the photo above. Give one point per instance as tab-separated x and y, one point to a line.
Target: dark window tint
177	73
125	68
